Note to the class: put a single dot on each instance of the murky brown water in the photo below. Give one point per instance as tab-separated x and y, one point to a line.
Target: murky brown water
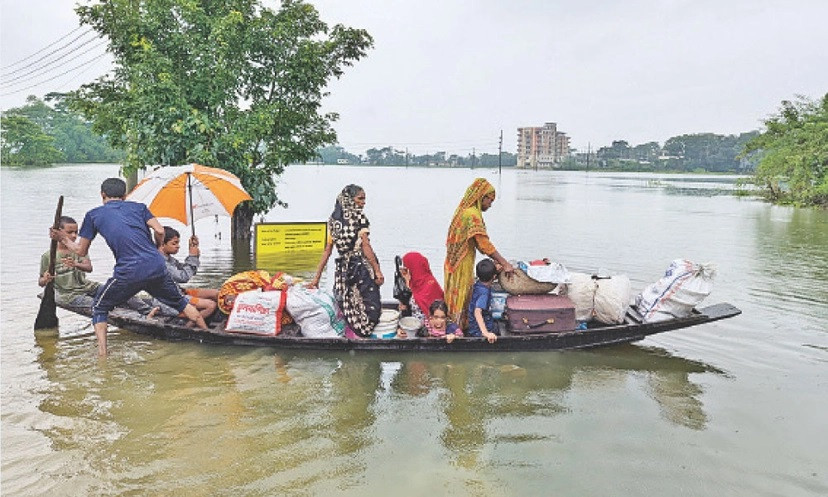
732	408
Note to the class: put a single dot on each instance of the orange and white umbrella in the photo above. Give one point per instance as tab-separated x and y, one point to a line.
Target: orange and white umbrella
190	192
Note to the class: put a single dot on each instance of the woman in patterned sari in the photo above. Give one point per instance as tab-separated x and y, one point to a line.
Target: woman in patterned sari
357	277
466	235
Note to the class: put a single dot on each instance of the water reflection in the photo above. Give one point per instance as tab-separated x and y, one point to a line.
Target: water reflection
798	237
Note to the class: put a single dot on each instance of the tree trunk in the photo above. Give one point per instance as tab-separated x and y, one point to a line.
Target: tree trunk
242	222
131	180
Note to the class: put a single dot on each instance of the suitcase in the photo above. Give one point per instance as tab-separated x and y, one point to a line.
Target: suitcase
540	314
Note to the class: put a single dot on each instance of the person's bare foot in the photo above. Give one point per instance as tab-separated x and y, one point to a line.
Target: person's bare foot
151	314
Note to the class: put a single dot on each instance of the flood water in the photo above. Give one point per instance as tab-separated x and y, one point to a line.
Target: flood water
735	408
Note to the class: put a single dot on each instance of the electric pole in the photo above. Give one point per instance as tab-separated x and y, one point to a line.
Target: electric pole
500	154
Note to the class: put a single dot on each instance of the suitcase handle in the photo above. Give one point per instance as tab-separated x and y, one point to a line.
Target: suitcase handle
537	325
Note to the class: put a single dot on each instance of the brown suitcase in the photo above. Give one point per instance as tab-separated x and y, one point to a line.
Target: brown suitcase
540	314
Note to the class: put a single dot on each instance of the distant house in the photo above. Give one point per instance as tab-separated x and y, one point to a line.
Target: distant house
342	161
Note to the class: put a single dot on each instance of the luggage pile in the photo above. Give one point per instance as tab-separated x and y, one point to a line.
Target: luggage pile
260	304
567	301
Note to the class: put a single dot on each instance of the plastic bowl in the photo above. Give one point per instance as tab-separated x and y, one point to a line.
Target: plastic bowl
410	324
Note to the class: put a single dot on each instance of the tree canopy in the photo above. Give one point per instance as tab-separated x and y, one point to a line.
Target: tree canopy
25	143
225	83
71	135
793	153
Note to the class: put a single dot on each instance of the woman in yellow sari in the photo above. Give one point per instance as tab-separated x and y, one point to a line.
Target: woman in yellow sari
466	235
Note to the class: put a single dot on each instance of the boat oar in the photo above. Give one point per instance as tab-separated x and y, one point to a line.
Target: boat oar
47	315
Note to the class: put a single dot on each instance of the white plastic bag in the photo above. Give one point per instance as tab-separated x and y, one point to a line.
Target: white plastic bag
683	286
548	273
316	312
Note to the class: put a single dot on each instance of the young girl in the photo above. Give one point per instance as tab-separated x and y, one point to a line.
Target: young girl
204	299
438	325
424	287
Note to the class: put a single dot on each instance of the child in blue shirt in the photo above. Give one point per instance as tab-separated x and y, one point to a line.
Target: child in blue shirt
481	322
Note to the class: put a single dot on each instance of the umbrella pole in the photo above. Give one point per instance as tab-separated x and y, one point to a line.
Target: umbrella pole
190	191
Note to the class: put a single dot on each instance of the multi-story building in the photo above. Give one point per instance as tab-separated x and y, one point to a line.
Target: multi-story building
541	147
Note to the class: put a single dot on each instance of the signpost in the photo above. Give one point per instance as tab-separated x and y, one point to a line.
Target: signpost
289	246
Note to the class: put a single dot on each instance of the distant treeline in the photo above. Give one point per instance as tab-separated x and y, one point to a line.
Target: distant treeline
701	152
686	153
39	134
390	156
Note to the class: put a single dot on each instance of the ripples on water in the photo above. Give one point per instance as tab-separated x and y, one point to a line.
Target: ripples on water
733	407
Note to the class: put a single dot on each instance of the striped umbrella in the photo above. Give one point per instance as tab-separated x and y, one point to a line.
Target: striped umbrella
189	192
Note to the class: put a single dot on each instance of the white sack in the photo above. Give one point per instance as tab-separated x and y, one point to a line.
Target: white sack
316	312
581	290
612	299
256	312
683	286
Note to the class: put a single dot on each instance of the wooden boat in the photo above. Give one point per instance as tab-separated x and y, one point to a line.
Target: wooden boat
595	336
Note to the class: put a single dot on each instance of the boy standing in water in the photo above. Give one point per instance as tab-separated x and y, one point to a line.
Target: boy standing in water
138	263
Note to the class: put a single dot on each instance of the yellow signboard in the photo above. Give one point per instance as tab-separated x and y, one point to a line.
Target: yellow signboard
277	238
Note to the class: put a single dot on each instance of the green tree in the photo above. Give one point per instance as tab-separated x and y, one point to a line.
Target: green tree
25	143
793	153
73	136
225	83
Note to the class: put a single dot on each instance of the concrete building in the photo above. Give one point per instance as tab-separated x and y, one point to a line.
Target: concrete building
541	147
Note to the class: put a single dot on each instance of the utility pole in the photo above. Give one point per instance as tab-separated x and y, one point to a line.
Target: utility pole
500	154
589	152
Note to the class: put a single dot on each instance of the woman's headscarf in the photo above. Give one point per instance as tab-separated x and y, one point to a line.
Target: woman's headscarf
347	221
424	287
467	222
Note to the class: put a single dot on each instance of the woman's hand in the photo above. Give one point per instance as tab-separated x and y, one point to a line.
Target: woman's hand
68	261
490	337
508	268
313	284
380	279
450	337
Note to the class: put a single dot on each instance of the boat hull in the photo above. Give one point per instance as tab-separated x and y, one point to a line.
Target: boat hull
593	337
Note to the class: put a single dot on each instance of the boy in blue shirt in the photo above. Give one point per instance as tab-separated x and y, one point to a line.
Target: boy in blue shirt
481	322
138	263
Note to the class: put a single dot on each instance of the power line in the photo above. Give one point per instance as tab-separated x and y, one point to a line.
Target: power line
44	48
83	64
53	52
42	71
65	84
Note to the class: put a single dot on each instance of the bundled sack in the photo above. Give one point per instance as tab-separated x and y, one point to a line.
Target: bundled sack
316	312
683	286
257	313
602	298
518	283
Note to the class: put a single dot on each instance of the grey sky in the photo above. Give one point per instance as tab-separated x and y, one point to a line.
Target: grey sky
449	75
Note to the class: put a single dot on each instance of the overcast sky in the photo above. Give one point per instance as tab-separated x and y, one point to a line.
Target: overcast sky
449	75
